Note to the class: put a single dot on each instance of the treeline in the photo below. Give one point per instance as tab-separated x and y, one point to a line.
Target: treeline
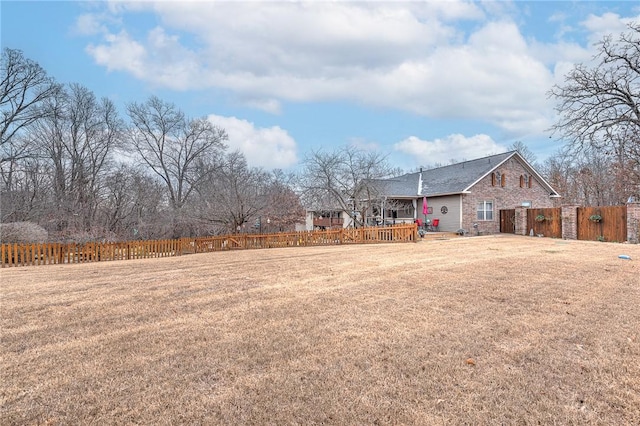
598	109
592	178
72	164
587	178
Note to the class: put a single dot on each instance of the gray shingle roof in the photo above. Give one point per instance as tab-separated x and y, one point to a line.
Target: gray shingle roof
452	179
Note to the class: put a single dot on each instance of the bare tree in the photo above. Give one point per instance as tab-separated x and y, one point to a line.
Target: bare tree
76	141
24	91
523	150
344	179
559	171
234	195
181	152
24	193
588	179
283	207
133	205
599	105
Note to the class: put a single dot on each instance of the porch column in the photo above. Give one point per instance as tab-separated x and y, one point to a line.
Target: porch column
569	215
415	209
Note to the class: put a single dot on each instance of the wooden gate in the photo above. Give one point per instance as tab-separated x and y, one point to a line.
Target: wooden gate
612	225
546	222
508	221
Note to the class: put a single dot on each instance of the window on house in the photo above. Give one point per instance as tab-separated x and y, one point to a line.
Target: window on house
485	210
493	179
521	181
529	181
503	180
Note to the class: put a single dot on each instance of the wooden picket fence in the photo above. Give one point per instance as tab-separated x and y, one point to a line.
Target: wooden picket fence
60	253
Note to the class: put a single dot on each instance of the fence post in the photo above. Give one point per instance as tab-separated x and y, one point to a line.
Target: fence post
521	221
569	215
633	222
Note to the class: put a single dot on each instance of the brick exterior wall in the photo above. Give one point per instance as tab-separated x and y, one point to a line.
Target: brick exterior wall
633	223
521	221
508	197
569	215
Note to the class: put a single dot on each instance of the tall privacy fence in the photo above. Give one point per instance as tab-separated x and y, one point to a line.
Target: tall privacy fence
599	223
60	253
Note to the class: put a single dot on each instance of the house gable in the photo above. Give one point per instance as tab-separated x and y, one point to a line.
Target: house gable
528	169
458	178
503	193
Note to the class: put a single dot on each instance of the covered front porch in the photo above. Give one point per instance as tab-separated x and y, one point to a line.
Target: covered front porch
395	211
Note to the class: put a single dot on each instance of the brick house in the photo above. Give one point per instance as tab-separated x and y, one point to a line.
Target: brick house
467	195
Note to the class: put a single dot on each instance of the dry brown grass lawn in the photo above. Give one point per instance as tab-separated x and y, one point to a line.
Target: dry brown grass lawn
483	330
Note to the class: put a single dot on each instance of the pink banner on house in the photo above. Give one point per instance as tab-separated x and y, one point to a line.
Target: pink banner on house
425	209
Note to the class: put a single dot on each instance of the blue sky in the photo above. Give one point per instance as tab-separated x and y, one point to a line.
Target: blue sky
423	82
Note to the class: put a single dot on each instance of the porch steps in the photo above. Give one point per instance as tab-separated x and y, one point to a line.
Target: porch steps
431	236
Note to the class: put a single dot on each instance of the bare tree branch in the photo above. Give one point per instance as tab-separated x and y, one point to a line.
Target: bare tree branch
24	90
180	151
343	180
599	107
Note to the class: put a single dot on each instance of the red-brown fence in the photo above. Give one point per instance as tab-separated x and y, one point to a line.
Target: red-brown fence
602	223
508	221
57	253
547	222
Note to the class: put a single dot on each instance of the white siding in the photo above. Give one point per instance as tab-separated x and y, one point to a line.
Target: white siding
308	223
449	222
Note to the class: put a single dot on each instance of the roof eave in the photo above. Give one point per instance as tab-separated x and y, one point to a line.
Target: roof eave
444	194
467	190
441	194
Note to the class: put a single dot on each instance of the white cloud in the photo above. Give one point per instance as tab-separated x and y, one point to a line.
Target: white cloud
606	24
272	106
271	148
453	147
421	57
121	53
493	78
160	59
563	55
364	145
89	24
558	17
